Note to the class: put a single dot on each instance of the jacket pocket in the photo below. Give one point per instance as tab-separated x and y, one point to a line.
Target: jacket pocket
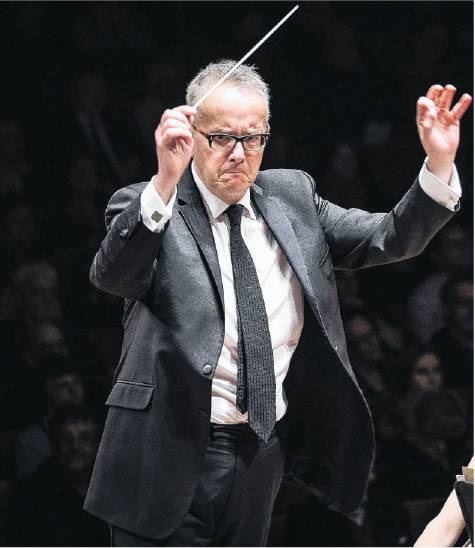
130	395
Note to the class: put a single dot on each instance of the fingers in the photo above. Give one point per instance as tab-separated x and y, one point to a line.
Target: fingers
438	99
168	138
442	96
426	112
446	97
172	122
461	107
175	124
434	92
172	133
184	114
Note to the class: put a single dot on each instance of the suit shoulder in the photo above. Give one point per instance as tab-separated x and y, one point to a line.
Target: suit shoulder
121	199
129	191
285	180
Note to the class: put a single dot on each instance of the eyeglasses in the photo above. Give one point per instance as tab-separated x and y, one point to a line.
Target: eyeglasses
224	142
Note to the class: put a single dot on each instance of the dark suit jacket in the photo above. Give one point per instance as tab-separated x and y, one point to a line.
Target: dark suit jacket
159	408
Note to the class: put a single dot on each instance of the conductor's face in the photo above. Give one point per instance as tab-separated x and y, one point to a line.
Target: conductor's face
229	172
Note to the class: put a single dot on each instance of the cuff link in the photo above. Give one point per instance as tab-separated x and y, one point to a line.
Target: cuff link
156	216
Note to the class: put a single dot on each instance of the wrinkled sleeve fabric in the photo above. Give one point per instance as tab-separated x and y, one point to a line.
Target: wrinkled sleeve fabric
126	261
359	239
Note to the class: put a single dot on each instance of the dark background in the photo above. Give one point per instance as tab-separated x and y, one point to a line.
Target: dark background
344	79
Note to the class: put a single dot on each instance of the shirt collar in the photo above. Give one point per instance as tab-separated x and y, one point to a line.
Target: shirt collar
214	205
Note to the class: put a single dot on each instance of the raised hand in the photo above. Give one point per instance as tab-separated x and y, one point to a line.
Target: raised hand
438	126
174	146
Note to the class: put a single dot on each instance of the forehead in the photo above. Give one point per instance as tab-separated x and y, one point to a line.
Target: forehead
429	360
229	107
65	378
359	325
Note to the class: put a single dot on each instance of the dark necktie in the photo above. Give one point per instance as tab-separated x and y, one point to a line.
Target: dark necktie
256	378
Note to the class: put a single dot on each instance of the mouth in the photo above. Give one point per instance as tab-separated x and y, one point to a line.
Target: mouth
234	174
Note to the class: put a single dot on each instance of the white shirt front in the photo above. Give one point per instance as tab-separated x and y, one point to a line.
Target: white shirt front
282	295
281	289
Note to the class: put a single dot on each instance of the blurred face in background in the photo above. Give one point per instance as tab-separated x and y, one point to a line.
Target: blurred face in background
37	286
19	224
363	340
453	249
459	306
76	445
427	373
46	338
65	389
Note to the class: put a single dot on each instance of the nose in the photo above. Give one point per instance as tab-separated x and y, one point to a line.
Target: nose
76	443
237	154
433	378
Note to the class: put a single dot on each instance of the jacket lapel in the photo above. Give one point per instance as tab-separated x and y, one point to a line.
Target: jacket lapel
192	209
283	232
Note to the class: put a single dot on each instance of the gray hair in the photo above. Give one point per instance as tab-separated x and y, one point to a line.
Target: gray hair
245	76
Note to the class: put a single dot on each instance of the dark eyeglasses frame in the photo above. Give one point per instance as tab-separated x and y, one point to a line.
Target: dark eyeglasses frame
237	139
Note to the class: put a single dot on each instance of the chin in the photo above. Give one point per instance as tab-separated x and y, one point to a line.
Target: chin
233	194
233	186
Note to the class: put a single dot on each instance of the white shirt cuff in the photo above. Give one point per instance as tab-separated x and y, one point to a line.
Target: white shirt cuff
155	214
445	195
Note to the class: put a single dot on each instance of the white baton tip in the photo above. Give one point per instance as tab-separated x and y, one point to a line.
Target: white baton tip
248	54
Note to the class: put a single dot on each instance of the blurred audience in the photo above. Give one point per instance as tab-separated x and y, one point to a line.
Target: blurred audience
376	366
36	286
82	99
163	83
420	451
450	253
47	504
59	384
454	345
343	181
455	341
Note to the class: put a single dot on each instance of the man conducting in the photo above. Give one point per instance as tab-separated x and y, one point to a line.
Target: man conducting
234	367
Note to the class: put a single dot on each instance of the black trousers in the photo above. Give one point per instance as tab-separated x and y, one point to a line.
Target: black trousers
233	501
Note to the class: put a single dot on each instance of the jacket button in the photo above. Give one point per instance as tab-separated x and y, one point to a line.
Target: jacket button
207	369
124	233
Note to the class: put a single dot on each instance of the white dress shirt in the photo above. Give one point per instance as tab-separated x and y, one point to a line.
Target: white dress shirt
281	289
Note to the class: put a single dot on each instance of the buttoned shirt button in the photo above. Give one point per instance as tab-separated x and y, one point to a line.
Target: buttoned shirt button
207	369
124	233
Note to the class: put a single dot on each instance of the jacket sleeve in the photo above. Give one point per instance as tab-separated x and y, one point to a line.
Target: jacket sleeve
358	239
126	261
